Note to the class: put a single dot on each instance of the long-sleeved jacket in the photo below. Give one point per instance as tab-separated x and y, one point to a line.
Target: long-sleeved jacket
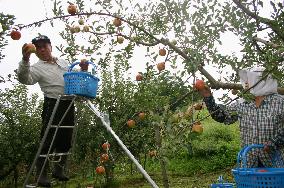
49	76
258	125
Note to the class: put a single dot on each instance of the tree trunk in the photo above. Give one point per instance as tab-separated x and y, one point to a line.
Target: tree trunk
16	176
161	157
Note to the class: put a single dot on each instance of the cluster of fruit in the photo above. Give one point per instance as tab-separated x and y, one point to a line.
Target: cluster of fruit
160	66
131	123
103	159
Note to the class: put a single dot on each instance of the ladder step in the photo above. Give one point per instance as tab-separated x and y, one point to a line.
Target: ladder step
55	154
67	97
30	186
61	127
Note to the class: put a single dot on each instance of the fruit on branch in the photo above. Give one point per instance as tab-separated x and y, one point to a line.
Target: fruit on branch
141	115
104	157
100	170
106	146
199	84
235	92
139	77
81	21
77	29
120	39
15	35
161	66
117	22
86	28
188	113
197	106
72	9
197	128
162	52
31	48
131	123
72	30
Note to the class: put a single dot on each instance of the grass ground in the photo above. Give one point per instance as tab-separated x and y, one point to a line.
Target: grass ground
136	180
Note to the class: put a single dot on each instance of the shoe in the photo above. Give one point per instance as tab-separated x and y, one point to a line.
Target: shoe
43	180
58	172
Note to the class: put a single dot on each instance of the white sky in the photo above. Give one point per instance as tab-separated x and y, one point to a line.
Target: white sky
34	10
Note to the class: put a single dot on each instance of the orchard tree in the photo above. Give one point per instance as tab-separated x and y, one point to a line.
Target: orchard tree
19	130
6	21
167	35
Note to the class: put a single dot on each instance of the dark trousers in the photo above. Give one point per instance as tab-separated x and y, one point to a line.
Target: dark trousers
62	142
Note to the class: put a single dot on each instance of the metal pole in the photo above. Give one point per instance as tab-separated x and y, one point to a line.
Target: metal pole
107	126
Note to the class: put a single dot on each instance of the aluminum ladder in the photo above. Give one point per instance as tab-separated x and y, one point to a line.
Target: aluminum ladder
49	154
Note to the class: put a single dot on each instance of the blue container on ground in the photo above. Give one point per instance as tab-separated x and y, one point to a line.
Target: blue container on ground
256	177
80	83
222	184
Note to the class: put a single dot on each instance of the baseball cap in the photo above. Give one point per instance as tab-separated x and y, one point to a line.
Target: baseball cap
41	38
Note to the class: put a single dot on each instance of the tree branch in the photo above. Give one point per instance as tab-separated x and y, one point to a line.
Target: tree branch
271	23
273	45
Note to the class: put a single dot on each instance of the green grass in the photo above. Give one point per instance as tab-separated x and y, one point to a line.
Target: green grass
198	180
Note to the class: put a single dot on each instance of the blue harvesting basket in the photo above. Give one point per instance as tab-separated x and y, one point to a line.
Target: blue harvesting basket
222	184
81	83
257	177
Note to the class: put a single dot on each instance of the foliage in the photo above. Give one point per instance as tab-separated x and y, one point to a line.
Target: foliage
19	130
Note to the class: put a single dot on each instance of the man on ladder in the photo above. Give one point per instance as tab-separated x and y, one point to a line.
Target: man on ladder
48	72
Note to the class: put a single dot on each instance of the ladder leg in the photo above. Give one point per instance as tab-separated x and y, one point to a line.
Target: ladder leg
106	124
40	147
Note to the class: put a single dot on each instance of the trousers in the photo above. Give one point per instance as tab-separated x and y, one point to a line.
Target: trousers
63	139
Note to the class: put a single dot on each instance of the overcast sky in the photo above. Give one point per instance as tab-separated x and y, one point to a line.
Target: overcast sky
30	11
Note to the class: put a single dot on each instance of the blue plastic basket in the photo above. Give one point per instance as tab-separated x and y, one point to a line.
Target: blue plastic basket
80	83
256	177
222	183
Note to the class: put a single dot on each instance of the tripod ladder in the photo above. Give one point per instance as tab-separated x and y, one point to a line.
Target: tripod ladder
48	155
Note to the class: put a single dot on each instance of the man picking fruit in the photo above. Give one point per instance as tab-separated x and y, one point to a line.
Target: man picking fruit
48	73
261	119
